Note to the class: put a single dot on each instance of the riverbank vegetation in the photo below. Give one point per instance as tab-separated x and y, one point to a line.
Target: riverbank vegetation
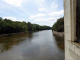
9	26
59	25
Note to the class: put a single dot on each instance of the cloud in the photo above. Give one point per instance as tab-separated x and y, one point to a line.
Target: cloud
37	15
52	19
54	13
42	0
46	19
56	6
42	9
12	18
40	19
14	2
53	5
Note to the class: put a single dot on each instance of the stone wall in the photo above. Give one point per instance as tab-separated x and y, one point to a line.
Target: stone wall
72	49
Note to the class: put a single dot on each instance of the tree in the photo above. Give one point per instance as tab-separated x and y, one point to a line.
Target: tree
58	25
29	26
9	26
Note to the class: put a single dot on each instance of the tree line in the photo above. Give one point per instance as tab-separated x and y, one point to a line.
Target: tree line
59	25
9	26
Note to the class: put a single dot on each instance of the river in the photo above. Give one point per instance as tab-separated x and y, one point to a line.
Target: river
40	45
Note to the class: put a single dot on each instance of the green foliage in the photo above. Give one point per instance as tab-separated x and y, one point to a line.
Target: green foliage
59	25
26	31
9	34
38	27
29	26
9	26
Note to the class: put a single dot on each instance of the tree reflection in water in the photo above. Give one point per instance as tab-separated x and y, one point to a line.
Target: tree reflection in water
7	43
59	41
40	45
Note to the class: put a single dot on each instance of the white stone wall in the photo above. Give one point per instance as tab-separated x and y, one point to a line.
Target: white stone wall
72	49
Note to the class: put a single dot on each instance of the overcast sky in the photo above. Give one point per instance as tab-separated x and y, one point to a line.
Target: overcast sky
42	12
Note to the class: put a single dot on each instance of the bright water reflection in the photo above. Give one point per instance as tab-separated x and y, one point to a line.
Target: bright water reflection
41	45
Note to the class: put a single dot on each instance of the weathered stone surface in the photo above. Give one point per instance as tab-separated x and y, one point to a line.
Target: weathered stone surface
72	49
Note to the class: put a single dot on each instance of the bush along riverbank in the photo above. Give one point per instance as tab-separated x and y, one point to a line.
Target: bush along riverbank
58	27
9	27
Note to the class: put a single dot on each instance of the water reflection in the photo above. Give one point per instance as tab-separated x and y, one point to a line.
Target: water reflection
7	43
59	41
29	35
41	45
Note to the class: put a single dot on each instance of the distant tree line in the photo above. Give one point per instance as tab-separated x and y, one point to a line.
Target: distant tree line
9	26
59	25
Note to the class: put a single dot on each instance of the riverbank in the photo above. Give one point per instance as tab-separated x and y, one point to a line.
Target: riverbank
11	34
58	33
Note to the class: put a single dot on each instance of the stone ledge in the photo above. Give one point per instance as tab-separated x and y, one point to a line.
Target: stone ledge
76	47
75	43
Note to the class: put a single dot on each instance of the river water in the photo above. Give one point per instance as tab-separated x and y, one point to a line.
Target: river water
40	45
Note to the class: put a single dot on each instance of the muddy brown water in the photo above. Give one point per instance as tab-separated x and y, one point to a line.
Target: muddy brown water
40	45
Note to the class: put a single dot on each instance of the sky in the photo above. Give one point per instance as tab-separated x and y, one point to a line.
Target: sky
42	12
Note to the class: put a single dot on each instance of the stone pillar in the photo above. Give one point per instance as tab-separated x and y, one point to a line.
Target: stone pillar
70	19
70	30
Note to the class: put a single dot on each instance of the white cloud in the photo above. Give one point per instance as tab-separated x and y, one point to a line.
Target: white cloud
42	0
53	5
56	6
12	18
46	19
42	9
54	13
14	2
40	19
51	19
37	15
